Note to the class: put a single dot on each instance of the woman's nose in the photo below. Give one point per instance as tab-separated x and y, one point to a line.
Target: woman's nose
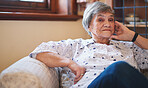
107	24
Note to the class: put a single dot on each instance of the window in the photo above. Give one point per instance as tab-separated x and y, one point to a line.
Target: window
38	10
133	14
33	0
26	6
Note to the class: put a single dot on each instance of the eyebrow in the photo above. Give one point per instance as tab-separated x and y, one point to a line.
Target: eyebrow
104	16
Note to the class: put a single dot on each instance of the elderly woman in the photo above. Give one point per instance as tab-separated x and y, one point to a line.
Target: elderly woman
99	62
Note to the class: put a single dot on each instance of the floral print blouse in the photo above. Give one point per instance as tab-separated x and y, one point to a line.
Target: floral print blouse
93	56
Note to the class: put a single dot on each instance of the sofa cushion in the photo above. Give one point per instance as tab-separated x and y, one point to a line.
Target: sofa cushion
29	72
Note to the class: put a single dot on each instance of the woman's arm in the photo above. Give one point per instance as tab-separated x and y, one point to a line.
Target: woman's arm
124	34
54	60
142	42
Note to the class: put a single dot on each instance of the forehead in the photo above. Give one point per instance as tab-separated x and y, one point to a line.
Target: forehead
104	15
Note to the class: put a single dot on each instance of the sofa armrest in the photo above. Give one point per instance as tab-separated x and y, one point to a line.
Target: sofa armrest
29	73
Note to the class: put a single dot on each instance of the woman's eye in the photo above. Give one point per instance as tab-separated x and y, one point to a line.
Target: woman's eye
100	20
111	19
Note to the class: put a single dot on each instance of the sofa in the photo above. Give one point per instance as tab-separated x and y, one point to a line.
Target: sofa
31	73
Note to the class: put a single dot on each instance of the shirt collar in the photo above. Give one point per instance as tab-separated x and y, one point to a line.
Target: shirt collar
91	41
87	42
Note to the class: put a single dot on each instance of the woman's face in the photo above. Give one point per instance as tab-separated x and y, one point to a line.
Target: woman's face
102	25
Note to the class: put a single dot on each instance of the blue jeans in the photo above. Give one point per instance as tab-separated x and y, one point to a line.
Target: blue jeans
120	75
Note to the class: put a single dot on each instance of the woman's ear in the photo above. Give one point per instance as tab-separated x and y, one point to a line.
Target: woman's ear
90	28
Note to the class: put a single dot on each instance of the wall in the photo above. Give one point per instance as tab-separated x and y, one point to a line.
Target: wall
19	38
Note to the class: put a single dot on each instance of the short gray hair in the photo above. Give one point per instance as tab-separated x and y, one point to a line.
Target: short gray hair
91	10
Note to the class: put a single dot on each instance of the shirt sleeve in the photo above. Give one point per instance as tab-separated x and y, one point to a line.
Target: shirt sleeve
141	56
63	48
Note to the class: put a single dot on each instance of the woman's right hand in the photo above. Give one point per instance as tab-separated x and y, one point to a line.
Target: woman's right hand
78	70
122	32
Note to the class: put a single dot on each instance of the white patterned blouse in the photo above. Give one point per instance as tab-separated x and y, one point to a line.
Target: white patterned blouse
93	56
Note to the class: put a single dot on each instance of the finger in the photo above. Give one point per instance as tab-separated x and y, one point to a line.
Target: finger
123	27
77	79
119	28
77	74
114	37
119	32
74	72
80	75
118	23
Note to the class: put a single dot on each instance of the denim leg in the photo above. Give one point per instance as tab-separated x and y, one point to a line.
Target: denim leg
120	75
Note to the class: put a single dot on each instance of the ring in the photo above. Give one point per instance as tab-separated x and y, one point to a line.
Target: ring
82	74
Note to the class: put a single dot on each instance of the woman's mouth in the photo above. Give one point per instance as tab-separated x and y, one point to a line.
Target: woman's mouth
107	30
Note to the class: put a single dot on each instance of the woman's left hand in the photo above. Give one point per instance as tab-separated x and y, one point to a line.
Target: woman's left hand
78	70
122	32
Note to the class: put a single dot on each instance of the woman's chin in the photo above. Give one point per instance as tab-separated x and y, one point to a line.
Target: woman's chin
107	35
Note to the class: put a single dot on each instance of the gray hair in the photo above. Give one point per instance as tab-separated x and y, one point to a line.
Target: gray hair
91	10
